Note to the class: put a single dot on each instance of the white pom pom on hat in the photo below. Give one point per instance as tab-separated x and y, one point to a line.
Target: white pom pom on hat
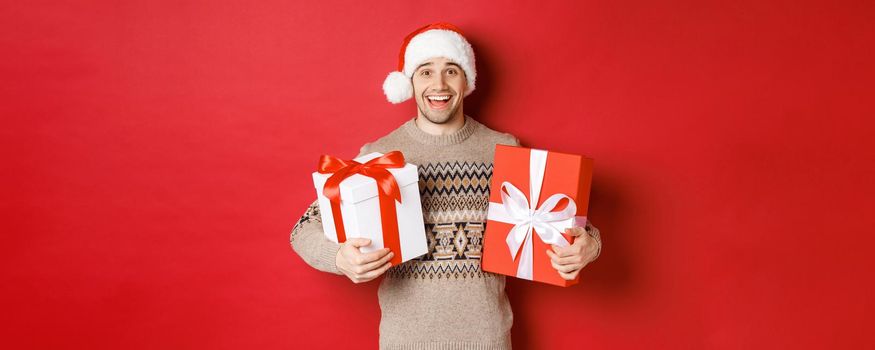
434	40
397	87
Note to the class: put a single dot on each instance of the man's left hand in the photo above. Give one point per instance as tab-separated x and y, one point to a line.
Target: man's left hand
571	259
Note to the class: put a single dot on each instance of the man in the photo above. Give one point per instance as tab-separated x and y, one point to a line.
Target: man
442	300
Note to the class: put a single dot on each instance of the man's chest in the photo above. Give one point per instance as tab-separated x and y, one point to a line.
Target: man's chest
455	198
454	191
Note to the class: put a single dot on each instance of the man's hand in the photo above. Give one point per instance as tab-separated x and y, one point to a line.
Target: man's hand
362	267
569	260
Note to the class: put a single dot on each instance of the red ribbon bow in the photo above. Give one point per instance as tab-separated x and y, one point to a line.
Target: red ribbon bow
387	191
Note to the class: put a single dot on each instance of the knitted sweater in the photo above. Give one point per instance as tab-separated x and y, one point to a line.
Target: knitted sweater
442	300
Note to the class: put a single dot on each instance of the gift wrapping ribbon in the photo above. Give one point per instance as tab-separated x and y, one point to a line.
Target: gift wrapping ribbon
387	191
526	216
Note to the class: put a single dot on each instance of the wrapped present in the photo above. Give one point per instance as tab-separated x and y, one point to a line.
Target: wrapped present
521	228
375	196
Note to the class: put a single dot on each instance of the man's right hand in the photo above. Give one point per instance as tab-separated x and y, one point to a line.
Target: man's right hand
362	267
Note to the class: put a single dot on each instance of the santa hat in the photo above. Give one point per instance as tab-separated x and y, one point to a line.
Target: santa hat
434	40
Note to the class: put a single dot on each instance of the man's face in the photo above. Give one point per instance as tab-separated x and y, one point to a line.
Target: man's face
438	87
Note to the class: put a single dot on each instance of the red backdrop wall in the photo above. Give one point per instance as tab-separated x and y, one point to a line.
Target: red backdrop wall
156	155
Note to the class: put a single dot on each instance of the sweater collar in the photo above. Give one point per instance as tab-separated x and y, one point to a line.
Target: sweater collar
450	139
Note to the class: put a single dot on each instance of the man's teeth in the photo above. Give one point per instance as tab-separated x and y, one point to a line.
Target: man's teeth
439	98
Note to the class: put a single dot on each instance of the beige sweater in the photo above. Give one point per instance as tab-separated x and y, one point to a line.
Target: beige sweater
442	300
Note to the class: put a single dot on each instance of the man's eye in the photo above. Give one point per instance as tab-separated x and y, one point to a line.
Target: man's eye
451	71
425	73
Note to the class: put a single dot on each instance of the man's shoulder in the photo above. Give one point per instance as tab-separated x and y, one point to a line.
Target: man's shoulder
497	137
390	141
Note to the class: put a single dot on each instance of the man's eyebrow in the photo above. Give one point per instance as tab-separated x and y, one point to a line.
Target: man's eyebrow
430	63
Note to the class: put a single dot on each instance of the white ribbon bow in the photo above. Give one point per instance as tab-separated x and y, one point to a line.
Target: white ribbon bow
526	216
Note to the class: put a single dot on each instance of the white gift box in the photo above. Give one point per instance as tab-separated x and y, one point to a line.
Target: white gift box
360	209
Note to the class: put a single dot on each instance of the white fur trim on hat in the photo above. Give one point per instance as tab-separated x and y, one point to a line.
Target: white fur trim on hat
426	45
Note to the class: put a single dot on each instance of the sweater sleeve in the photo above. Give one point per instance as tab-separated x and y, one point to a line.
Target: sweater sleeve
308	238
309	241
508	139
594	233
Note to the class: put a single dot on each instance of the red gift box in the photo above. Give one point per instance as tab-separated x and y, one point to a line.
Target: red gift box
518	234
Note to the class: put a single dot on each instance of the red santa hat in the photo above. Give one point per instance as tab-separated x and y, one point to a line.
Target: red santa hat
434	40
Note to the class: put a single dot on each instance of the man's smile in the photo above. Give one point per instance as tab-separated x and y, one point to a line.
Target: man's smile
438	101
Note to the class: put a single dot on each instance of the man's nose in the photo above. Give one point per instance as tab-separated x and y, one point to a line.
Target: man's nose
441	81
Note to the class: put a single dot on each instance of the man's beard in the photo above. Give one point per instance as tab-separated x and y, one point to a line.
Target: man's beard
439	117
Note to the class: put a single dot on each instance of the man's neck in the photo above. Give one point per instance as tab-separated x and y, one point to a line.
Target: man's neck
454	124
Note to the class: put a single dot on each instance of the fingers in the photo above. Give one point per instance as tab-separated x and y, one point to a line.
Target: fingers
352	251
361	275
376	263
358	242
575	231
572	267
564	268
365	258
565	260
367	276
569	276
362	267
580	235
562	251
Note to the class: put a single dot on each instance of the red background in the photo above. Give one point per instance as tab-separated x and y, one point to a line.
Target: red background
156	154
